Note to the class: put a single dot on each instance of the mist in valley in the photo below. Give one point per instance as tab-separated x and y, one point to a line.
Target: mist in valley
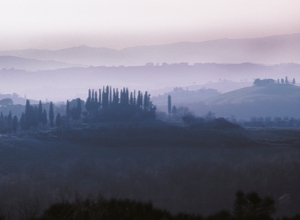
149	110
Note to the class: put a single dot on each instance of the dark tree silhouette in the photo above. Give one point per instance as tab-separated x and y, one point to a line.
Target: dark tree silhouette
23	122
114	104
75	112
174	110
40	112
45	118
169	104
51	115
14	123
58	120
251	206
68	108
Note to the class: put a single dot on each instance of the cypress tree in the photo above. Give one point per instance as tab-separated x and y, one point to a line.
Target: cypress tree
9	122
139	99
126	97
99	98
68	108
35	116
27	115
51	115
110	97
93	96
58	120
9	117
96	101
40	112
79	105
169	104
45	118
23	122
146	100
14	123
89	104
131	99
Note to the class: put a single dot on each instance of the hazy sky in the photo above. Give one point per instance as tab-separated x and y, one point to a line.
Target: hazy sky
57	24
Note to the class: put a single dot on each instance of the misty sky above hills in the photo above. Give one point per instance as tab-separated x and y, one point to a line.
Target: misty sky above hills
118	24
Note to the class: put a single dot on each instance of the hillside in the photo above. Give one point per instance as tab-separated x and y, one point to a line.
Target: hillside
182	96
276	100
273	92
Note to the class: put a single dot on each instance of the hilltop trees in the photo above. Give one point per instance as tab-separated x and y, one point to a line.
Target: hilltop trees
107	104
115	104
263	82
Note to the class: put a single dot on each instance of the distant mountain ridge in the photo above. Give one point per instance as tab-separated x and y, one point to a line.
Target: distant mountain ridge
9	62
266	50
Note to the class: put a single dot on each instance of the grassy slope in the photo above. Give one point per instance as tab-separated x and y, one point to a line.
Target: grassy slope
274	92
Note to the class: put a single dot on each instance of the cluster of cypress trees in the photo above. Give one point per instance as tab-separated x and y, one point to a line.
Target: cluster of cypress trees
111	103
35	115
74	112
107	104
8	123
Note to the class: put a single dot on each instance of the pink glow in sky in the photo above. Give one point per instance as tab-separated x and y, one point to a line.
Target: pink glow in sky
57	24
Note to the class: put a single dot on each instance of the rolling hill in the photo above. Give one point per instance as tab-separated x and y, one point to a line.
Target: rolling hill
272	92
275	100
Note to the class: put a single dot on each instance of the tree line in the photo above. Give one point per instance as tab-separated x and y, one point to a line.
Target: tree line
114	104
103	105
37	115
32	117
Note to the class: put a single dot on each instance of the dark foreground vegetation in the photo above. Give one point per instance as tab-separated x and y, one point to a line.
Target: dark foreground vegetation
248	206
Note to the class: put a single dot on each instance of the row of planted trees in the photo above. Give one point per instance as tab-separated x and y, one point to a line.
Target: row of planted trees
114	104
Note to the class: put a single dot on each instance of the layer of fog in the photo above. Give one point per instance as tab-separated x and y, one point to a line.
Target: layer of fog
63	84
